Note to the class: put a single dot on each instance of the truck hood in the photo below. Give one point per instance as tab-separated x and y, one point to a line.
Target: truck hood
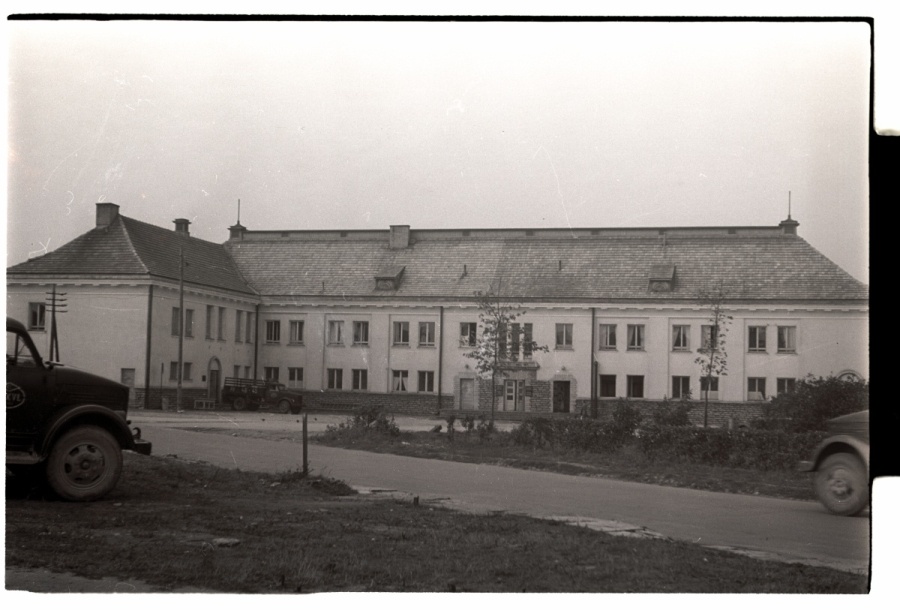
75	386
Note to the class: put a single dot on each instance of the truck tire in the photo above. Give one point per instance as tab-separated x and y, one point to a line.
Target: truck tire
295	409
842	484
239	404
84	464
284	406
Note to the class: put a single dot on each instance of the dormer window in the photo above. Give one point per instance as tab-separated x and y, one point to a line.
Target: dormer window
662	278
389	279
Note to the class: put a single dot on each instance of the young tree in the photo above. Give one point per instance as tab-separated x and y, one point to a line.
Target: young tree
712	358
501	338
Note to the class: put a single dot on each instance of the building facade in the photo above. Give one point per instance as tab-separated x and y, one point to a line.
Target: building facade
388	317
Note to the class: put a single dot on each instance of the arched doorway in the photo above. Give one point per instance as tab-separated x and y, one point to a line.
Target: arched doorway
212	385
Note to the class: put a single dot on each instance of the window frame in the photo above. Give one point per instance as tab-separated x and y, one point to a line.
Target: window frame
468	334
640	343
295	372
429	329
713	392
238	326
273	332
400	331
759	383
789	335
604	335
756	342
296	329
567	329
600	385
782	383
683	390
335	379
360	380
630	381
336	332
39	310
681	337
428	378
399	380
360	332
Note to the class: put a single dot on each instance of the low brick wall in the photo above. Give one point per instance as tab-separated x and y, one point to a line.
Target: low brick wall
720	415
394	403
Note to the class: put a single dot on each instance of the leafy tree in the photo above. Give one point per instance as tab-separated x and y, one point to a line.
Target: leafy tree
712	357
497	346
814	401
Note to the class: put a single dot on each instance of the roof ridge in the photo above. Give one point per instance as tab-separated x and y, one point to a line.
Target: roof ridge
121	220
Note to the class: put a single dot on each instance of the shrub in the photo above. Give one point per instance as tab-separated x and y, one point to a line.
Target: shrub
814	401
672	413
368	420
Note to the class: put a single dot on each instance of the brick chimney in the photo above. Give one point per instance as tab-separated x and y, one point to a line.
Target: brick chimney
181	225
106	213
399	237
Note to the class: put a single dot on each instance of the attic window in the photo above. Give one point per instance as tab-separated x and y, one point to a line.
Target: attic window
389	279
662	278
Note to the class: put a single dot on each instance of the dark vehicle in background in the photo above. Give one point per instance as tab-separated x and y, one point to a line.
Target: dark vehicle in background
252	394
841	465
63	423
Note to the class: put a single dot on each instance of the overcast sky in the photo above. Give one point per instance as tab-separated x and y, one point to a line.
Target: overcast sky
440	125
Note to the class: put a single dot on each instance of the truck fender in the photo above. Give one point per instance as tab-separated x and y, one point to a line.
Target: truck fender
842	443
89	414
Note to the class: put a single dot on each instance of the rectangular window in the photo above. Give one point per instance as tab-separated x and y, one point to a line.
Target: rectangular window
528	337
296	331
295	377
785	385
335	379
237	371
426	334
787	339
709	337
246	372
271	373
37	317
188	322
400	381
273	331
635	336
756	388
360	379
335	332
681	387
173	371
467	334
251	319
221	329
210	312
360	333
401	333
238	326
187	370
563	336
128	377
681	337
607	386
635	386
607	336
426	381
709	386
756	339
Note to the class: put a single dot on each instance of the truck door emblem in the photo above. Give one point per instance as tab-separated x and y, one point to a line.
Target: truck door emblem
15	396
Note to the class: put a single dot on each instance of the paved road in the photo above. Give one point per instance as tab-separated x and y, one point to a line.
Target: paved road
785	529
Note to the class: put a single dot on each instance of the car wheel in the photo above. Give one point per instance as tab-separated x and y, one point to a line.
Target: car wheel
296	408
284	406
842	484
239	404
84	464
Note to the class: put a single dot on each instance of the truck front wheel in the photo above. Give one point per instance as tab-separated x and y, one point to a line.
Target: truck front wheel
284	406
842	484
84	464
239	404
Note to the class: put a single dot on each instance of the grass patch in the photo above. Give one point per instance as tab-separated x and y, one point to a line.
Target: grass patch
298	534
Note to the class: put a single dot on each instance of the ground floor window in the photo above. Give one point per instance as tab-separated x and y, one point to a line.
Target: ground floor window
360	379
681	387
426	381
785	385
635	386
607	386
335	379
295	377
271	373
709	387
756	388
173	371
400	381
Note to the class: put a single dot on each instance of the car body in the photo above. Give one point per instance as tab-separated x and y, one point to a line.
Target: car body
841	464
251	395
68	423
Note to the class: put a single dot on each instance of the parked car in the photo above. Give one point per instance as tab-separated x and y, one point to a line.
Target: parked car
252	394
841	465
68	425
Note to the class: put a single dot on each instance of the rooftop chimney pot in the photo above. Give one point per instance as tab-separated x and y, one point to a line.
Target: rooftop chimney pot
181	225
399	237
106	213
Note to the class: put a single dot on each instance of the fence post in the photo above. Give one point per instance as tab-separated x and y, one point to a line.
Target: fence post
305	442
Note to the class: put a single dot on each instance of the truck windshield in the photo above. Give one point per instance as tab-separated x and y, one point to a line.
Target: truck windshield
18	352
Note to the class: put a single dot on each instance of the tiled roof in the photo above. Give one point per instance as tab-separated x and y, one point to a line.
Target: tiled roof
132	247
752	267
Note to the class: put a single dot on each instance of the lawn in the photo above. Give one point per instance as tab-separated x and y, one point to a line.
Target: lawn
176	524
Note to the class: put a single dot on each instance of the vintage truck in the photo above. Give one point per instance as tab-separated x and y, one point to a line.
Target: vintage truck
253	394
66	425
841	465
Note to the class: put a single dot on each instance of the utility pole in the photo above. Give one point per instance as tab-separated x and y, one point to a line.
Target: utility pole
180	327
57	303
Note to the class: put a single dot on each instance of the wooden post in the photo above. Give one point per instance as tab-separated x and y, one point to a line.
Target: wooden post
305	444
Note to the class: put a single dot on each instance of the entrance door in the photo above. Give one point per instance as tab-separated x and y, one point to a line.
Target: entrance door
514	396
561	396
467	394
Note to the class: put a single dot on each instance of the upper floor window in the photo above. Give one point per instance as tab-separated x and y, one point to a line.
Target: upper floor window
563	336
426	334
681	337
251	318
210	313
467	334
37	316
709	337
607	336
635	336
335	332
221	329
273	331
360	334
401	333
188	322
238	326
296	331
756	339
787	339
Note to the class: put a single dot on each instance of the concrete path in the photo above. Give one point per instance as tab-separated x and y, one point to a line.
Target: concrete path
773	528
